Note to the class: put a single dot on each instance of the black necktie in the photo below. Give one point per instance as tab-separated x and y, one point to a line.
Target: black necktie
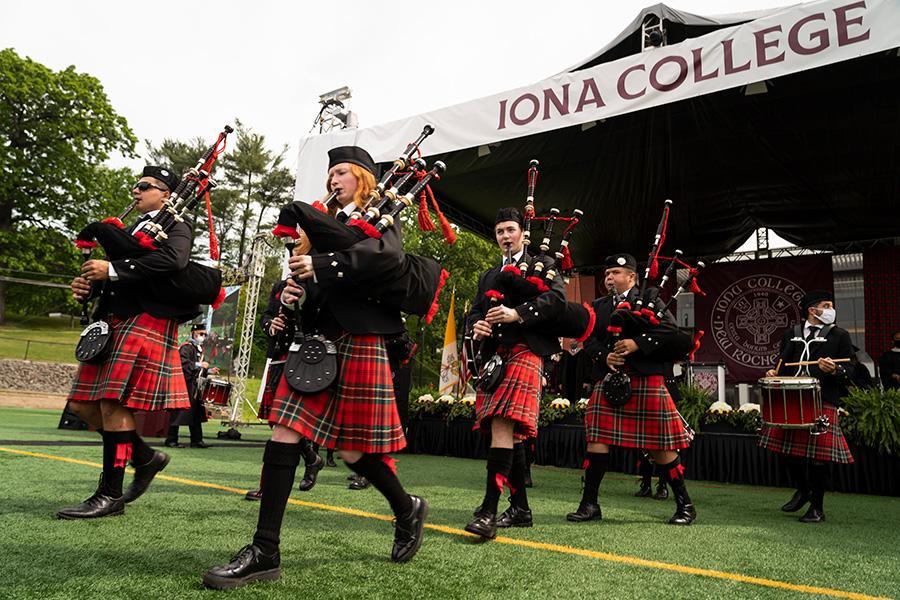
137	224
342	217
812	333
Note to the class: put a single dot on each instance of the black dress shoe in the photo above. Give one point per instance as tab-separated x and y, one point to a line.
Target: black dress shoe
684	515
515	516
484	524
311	473
645	491
248	565
408	531
144	474
813	515
329	462
587	511
170	444
253	495
360	483
662	491
797	501
200	444
99	505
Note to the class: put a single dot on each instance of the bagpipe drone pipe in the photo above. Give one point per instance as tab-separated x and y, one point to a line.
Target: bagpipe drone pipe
195	283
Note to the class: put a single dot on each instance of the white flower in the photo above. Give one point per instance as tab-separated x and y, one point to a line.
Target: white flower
719	407
447	398
749	407
583	400
426	398
560	402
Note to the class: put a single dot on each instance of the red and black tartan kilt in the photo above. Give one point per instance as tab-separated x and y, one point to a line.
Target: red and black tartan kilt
647	421
358	412
830	446
142	370
273	377
517	398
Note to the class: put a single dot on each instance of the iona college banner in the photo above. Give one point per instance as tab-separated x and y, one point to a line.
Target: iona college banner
747	307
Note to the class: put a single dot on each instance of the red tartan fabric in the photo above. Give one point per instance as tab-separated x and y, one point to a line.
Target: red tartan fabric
273	378
358	413
830	446
142	371
648	420
517	397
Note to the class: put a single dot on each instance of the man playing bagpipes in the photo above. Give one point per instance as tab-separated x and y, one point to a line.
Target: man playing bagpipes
508	412
142	368
336	289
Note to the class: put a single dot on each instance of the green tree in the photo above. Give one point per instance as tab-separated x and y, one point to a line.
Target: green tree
56	130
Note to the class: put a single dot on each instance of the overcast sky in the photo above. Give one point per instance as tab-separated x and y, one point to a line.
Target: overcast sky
184	69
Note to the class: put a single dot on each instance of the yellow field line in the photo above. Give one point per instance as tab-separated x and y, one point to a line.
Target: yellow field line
605	556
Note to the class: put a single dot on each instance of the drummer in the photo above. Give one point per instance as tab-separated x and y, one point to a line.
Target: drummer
807	455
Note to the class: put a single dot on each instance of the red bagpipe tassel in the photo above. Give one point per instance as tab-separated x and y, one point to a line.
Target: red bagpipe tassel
213	242
446	230
654	268
220	298
696	288
425	223
566	263
434	303
696	346
114	221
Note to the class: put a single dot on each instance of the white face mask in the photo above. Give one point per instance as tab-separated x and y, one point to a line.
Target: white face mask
826	316
201	339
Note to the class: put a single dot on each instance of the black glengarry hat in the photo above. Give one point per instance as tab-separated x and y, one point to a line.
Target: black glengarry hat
509	214
163	174
813	297
351	154
198	327
626	261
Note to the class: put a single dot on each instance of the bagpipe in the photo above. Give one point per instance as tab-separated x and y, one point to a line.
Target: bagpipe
519	283
414	286
649	310
193	285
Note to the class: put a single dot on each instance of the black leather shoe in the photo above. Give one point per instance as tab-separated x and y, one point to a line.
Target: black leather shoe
515	516
662	491
144	474
813	515
311	473
98	505
587	511
408	531
200	444
797	501
247	566
644	491
253	495
484	524
329	462
170	444
360	483
684	515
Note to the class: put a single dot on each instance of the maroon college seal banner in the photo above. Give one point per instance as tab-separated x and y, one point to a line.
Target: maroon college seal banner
747	307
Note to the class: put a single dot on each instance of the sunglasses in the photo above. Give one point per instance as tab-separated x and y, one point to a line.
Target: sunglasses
143	186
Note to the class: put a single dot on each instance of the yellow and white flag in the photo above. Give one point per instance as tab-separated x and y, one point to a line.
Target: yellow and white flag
450	356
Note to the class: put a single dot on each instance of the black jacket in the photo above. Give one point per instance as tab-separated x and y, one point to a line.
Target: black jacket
658	346
278	344
133	294
533	313
190	356
837	344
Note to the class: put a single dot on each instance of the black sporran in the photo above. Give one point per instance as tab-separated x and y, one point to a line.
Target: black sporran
492	374
94	343
311	364
617	388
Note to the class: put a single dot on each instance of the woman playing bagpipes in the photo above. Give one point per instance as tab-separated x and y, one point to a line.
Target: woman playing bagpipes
356	413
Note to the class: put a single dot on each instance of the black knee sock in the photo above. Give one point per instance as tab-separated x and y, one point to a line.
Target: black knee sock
798	469
329	455
141	453
645	469
379	470
673	474
517	472
595	468
499	464
116	454
818	477
306	451
280	462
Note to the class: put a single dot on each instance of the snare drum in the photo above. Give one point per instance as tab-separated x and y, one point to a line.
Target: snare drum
791	402
216	392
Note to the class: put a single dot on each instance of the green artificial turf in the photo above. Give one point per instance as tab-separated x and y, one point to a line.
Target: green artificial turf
163	543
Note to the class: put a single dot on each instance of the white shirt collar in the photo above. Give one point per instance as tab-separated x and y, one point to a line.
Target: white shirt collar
150	214
516	257
348	210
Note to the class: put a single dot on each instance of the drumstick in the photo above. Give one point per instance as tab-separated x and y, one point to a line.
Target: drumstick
778	366
814	362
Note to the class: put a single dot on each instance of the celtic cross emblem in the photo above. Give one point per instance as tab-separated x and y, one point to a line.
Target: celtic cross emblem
761	320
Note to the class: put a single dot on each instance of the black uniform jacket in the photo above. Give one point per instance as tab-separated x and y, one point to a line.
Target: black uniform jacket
278	344
657	345
132	293
190	356
533	312
340	299
837	344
